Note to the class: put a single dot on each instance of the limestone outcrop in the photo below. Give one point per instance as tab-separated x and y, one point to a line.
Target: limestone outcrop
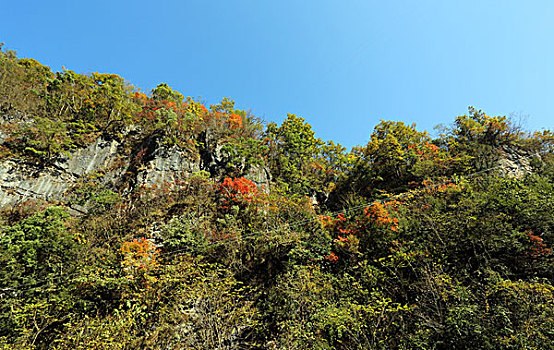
114	166
515	162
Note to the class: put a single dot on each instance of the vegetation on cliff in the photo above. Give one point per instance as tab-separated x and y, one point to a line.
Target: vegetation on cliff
408	242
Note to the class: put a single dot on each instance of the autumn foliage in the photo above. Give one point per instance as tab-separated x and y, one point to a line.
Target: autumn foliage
538	246
237	191
140	255
408	242
235	121
377	214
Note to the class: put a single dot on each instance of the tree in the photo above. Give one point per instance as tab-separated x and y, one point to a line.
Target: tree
294	154
479	137
386	162
165	92
38	258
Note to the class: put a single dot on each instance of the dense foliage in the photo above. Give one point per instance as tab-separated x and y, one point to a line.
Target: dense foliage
408	242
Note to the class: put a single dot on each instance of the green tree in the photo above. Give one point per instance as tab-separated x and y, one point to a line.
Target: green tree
37	261
112	99
294	153
479	137
165	92
386	162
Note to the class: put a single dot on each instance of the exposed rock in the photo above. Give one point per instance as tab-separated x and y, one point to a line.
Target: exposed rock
260	176
166	164
99	155
117	167
214	160
515	162
77	210
20	181
151	163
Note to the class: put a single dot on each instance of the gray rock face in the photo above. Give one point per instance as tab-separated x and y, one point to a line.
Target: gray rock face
99	155
21	181
167	165
515	163
116	168
260	176
214	160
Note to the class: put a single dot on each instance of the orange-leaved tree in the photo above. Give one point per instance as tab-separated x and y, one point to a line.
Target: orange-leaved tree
237	192
140	258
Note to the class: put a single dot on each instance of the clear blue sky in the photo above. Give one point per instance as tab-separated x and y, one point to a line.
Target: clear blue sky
342	65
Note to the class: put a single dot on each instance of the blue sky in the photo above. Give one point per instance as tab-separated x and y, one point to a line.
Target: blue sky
342	65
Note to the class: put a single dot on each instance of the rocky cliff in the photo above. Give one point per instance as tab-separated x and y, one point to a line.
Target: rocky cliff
516	162
115	166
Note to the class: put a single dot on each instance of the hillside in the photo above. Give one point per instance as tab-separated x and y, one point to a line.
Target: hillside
151	221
